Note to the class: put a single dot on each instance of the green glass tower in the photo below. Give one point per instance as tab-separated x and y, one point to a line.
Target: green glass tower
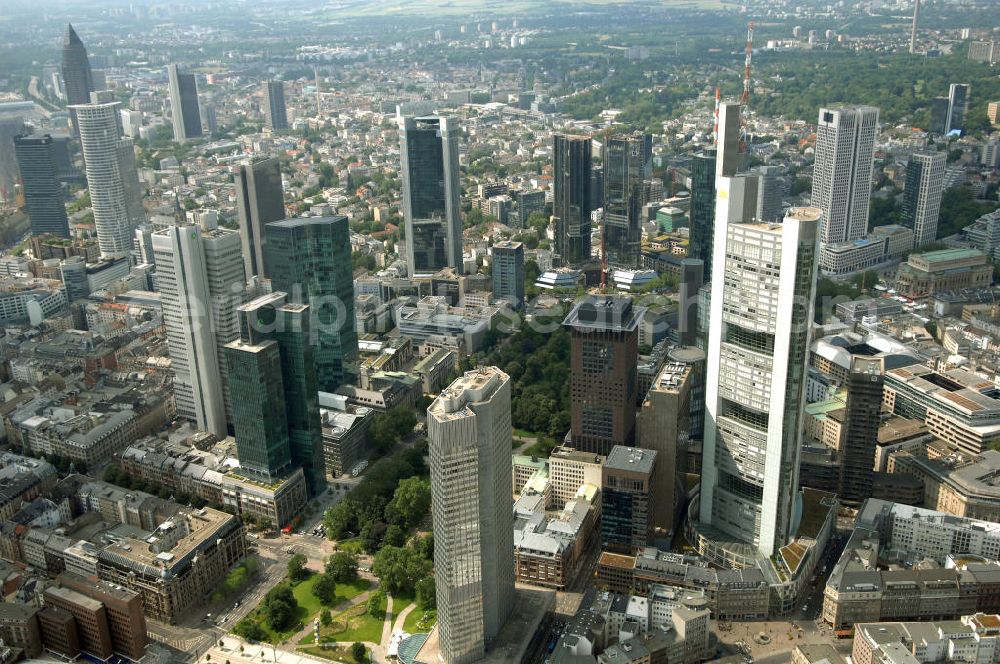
259	418
310	260
271	317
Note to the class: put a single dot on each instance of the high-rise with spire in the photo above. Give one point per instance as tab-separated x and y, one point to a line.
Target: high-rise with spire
77	77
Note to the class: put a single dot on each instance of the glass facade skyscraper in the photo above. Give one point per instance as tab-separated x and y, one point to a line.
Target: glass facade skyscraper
310	259
77	76
429	166
260	199
43	194
702	213
272	317
274	105
571	197
185	112
628	161
259	420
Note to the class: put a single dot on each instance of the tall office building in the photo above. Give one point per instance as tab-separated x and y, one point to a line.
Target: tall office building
77	77
310	259
630	497
184	110
469	429
604	352
200	277
260	199
275	111
761	309
862	417
770	193
571	197
664	425
939	115
958	106
508	272
112	178
922	196
123	609
43	193
259	418
272	317
628	161
702	212
842	174
428	149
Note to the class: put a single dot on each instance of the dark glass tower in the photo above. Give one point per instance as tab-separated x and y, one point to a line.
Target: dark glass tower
184	110
860	434
310	259
272	317
703	209
572	197
77	77
429	165
274	105
260	200
628	160
259	420
43	194
508	272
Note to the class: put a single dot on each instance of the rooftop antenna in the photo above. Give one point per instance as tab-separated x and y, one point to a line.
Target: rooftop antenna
745	96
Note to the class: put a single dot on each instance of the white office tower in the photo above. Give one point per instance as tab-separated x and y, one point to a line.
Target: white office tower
200	277
842	173
112	178
761	308
922	197
469	429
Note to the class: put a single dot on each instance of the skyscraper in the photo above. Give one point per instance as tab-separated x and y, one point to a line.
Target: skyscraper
761	308
628	160
939	115
508	272
259	417
272	317
702	214
274	105
260	200
469	430
43	193
428	149
184	110
630	496
200	277
310	259
112	178
571	199
922	196
860	432
604	352
958	106
77	77
842	174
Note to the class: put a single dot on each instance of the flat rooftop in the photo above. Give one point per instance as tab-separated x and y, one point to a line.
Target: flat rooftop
631	458
605	314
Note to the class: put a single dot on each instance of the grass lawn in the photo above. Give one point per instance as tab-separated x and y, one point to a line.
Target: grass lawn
419	621
352	545
354	624
308	605
348	591
338	654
